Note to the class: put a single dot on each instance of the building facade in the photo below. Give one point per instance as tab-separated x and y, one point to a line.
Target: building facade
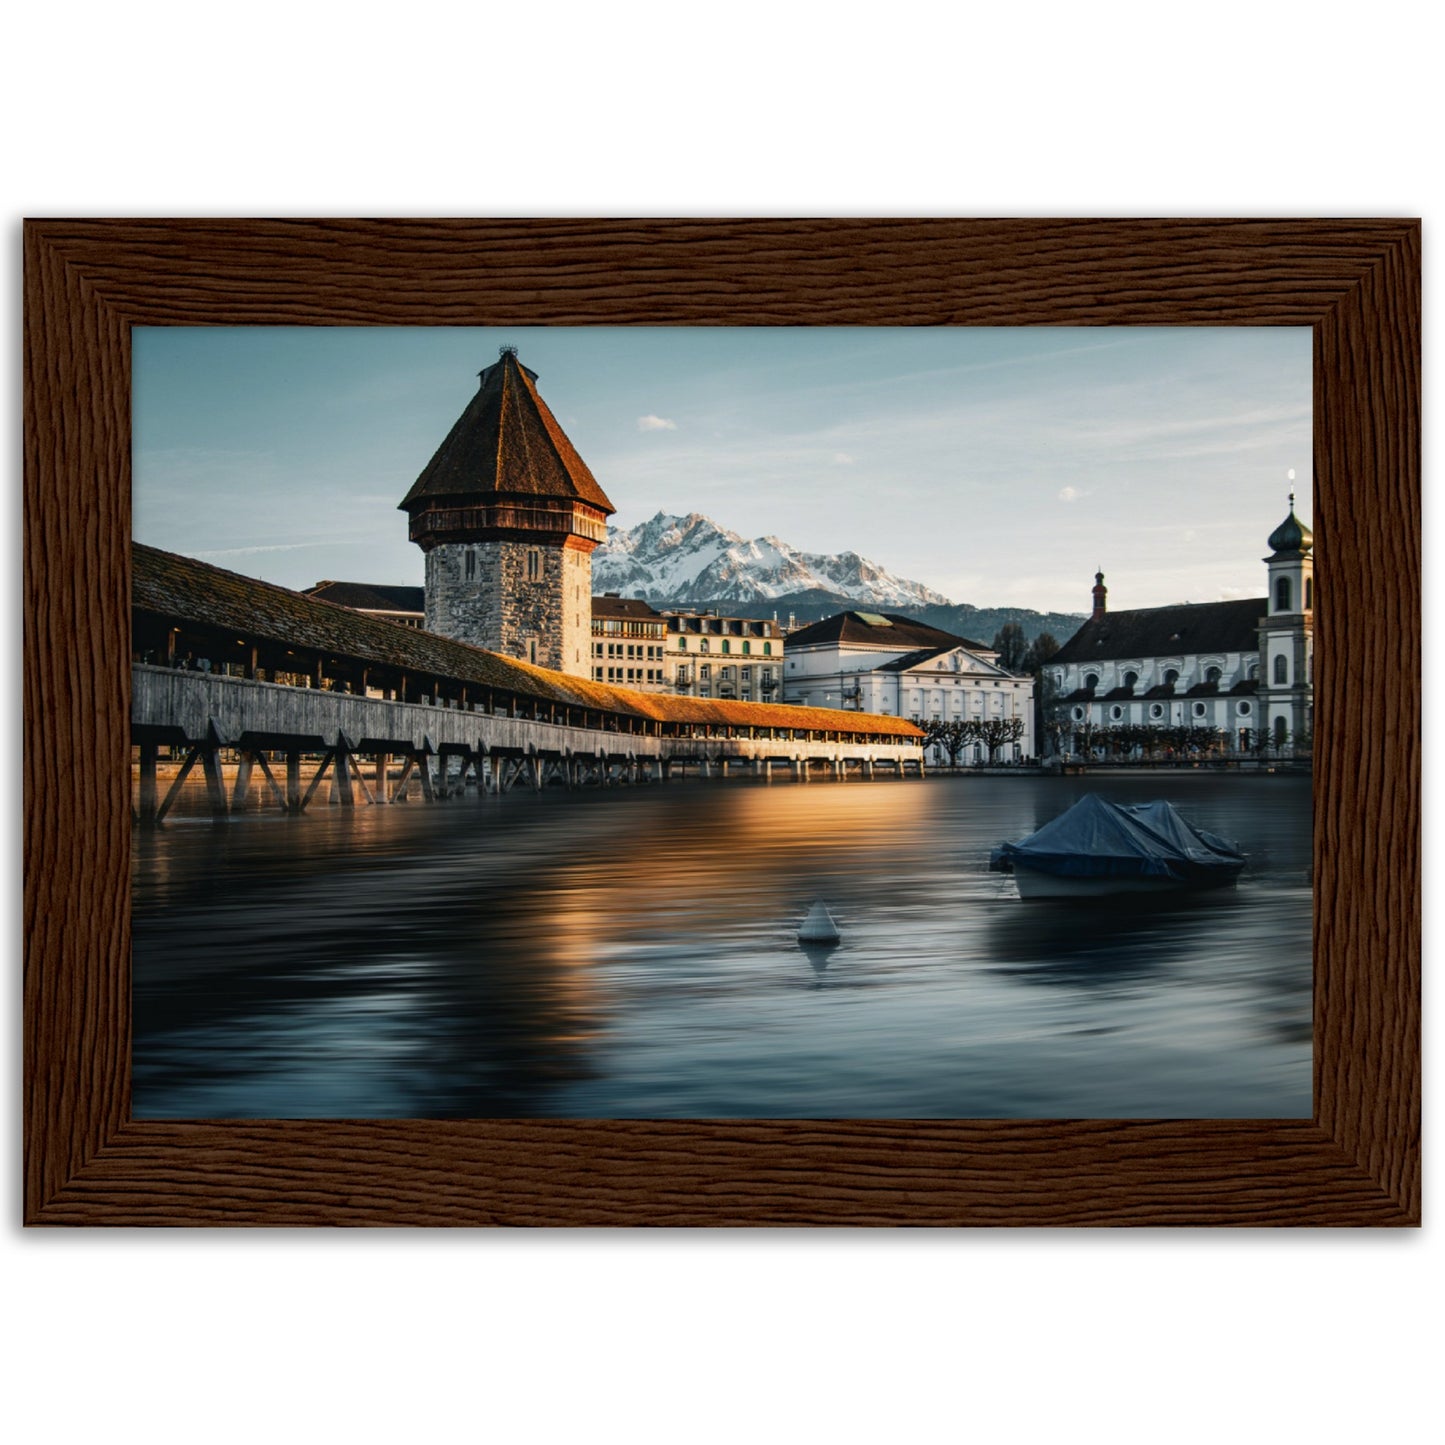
508	515
739	658
1230	676
891	665
629	643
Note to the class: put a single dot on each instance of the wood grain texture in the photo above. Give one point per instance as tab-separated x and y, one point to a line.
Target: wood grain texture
1356	282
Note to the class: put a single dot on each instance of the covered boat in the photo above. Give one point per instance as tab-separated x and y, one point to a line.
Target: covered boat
1099	848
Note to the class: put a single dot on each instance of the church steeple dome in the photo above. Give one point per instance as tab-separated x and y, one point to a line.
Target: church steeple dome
1291	535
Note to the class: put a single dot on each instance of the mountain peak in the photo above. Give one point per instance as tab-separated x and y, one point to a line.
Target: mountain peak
674	560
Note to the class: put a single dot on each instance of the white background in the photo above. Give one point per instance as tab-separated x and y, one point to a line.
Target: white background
750	109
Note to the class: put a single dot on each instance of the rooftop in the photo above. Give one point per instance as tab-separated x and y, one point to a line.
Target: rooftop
1191	627
506	443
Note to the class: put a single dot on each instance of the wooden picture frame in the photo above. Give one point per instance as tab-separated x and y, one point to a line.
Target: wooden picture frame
1357	283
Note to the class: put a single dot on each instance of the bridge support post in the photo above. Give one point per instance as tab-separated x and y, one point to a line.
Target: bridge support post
382	777
215	785
148	753
243	783
293	780
342	771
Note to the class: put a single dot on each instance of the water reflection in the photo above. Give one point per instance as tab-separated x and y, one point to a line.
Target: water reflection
634	954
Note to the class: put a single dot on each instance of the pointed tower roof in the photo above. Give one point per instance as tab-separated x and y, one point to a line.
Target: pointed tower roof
507	443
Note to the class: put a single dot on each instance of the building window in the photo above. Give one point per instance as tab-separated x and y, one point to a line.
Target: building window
1171	677
705	672
1281	732
767	649
727	646
1078	714
534	564
682	644
1156	710
1282	595
1244	709
1130	678
747	648
1199	709
471	564
1116	712
1213	675
1281	670
1091	680
703	645
1309	593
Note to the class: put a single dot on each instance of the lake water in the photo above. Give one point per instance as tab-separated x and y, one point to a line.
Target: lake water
631	953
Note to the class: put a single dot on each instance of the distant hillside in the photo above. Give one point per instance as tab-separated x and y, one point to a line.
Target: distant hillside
693	563
978	624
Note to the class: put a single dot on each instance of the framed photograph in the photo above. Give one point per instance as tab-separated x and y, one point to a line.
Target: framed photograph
108	1141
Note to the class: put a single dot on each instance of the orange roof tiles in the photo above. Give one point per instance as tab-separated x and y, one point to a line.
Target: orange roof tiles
169	586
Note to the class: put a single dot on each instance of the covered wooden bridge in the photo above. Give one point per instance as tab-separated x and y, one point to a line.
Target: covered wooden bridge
223	663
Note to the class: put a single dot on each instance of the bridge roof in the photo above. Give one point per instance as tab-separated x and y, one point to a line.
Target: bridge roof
507	442
182	589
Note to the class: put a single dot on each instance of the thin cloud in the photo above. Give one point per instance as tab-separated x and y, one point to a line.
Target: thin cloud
655	423
842	459
1071	494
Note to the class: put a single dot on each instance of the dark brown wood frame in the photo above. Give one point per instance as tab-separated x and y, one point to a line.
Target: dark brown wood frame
1357	283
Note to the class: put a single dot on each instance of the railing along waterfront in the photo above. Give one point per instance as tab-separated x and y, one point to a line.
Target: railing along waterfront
203	717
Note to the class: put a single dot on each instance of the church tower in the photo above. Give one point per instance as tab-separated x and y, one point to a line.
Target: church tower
508	516
1286	633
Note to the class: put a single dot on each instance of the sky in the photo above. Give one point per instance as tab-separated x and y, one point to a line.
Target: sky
999	466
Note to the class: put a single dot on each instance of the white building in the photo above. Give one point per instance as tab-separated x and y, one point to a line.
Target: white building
1230	669
876	663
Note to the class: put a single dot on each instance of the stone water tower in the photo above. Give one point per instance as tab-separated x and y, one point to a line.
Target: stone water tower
508	515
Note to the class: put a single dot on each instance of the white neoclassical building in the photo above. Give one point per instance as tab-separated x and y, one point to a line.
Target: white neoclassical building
882	663
1243	669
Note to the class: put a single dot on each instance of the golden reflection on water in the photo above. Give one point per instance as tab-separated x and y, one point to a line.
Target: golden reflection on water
633	954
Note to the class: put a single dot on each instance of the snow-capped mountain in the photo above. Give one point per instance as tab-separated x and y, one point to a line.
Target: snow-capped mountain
675	560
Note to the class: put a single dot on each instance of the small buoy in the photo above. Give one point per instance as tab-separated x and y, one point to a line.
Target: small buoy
818	926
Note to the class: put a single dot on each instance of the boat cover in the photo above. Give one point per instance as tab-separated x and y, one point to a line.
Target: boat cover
1099	839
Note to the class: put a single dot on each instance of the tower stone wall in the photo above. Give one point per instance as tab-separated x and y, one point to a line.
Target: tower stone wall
522	599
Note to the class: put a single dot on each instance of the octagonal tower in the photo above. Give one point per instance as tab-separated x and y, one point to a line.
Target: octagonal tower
508	516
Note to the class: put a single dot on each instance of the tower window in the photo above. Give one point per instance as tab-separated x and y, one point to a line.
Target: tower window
1283	595
532	650
534	566
1309	593
1281	670
471	565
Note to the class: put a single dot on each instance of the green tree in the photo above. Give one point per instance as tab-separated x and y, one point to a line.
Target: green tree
995	732
1012	644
